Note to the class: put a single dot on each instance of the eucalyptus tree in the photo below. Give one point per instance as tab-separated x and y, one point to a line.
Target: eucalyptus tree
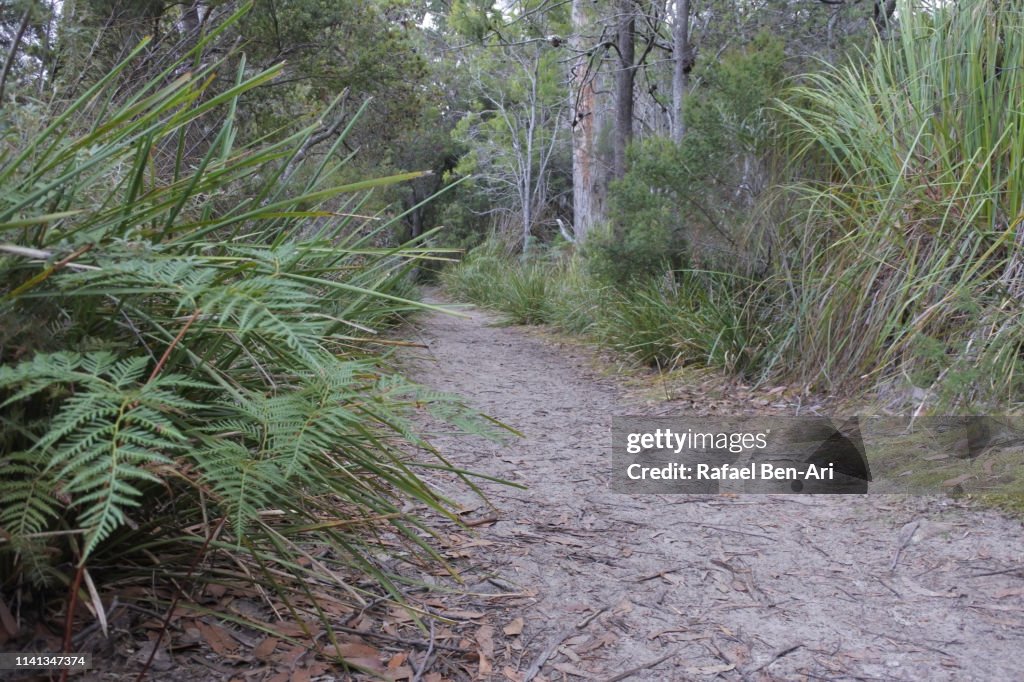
515	130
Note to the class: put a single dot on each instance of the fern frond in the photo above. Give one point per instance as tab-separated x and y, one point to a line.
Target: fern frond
243	483
103	439
27	502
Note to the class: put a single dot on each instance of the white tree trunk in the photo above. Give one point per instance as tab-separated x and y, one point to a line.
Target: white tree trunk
586	172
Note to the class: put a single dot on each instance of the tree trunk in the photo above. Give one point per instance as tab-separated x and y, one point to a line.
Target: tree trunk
883	13
586	172
624	89
682	57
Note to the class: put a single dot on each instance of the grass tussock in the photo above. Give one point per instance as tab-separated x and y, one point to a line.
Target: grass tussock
689	317
907	266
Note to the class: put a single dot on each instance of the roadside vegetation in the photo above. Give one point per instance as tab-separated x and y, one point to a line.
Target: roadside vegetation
882	256
214	215
195	386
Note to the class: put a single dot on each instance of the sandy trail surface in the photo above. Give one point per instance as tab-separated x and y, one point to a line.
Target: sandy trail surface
652	587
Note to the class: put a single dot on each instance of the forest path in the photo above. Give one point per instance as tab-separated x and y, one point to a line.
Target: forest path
735	587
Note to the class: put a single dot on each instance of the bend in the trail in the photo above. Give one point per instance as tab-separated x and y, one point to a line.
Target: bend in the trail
741	587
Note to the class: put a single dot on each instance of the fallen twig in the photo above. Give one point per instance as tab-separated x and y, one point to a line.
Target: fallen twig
659	574
587	620
726	529
1002	572
784	651
640	668
426	657
544	655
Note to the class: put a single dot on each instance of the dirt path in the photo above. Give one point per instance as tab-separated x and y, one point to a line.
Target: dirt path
743	587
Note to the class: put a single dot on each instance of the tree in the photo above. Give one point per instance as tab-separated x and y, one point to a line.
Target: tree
624	76
514	133
682	63
588	183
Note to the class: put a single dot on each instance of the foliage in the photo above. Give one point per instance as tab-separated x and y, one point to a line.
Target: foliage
488	276
686	203
513	135
905	264
687	317
184	352
695	317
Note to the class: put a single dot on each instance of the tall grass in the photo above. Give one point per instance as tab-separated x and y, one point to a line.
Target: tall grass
489	276
896	265
906	266
685	317
191	359
694	317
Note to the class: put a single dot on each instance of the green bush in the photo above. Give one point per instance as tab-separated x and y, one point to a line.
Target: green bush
183	353
490	277
575	299
643	239
685	317
481	276
526	295
688	204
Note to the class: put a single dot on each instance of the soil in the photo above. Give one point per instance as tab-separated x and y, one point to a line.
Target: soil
655	587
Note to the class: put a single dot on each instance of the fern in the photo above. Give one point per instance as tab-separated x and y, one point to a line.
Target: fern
213	377
28	505
106	436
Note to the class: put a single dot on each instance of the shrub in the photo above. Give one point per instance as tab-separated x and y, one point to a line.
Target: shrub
682	205
182	353
480	276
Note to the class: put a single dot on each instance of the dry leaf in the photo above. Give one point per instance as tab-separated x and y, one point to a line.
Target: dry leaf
288	629
218	638
350	650
468	615
265	648
215	590
604	639
403	672
512	675
570	669
485	666
485	640
398	615
569	653
291	656
514	628
371	664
